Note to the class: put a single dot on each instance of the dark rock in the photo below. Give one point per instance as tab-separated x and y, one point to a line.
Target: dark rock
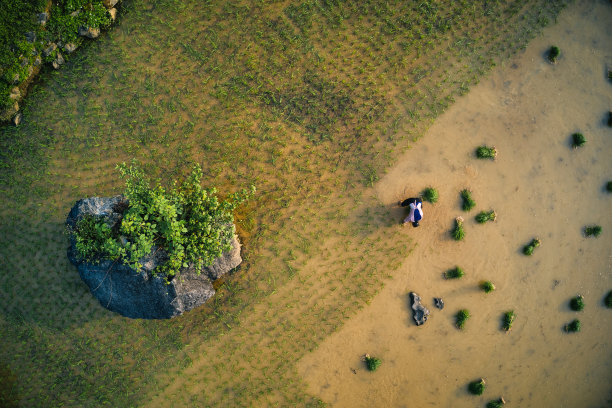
17	119
420	312
50	48
142	294
30	36
89	32
439	303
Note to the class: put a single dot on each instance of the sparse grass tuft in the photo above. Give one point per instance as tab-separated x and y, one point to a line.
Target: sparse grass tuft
458	233
592	231
529	248
572	327
372	363
468	201
461	317
577	303
487	286
430	195
477	387
454	273
508	320
578	140
485	216
485	152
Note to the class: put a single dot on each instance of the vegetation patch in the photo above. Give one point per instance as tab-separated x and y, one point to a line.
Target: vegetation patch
487	286
486	152
592	231
578	140
609	186
577	303
372	363
477	387
608	300
572	327
530	247
498	403
458	233
553	54
454	273
188	222
508	320
485	216
461	317
467	201
430	195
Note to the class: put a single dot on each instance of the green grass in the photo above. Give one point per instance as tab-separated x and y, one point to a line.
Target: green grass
609	186
486	152
498	403
454	273
592	231
508	319
487	286
467	201
477	387
608	300
372	363
430	195
572	327
530	247
577	303
458	232
578	140
461	317
262	93
485	216
553	54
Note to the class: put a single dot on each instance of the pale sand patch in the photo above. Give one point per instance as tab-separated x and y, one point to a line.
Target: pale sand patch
539	186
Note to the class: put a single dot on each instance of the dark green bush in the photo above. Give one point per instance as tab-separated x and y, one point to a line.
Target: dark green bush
461	317
485	216
577	303
498	403
485	152
477	387
578	140
592	231
430	194
609	186
508	320
573	326
372	363
454	273
468	201
458	233
487	286
188	222
528	249
608	300
553	54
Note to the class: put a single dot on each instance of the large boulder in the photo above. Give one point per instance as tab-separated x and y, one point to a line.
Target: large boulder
143	294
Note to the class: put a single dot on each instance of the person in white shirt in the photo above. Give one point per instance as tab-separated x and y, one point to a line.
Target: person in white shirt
416	210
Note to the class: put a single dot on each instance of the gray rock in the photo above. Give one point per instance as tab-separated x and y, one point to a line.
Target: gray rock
439	303
89	32
42	18
17	119
50	48
70	47
30	36
109	3
142	294
420	312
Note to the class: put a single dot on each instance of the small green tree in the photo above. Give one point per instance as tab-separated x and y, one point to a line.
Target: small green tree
187	222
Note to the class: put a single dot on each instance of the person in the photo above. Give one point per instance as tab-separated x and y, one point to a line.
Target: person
416	210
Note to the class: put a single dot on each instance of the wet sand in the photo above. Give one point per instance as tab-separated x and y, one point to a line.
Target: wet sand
540	187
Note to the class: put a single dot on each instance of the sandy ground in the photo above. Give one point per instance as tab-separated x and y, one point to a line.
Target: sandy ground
539	186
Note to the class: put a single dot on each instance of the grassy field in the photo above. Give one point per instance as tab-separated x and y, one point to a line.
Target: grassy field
310	102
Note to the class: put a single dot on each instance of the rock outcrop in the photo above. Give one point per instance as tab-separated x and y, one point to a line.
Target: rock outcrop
142	294
420	312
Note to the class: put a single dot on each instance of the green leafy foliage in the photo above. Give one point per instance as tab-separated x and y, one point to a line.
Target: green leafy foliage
468	201
553	53
458	233
454	273
487	286
477	387
572	327
498	403
529	248
609	186
188	222
577	303
485	216
430	195
578	140
461	317
592	231
508	320
372	363
485	152
608	300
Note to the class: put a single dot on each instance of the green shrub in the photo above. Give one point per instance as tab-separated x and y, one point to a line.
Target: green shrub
610	119
485	152
468	201
572	327
553	54
430	194
528	249
188	222
454	273
487	286
578	140
592	231
462	316
372	363
496	403
458	233
485	216
477	387
609	186
508	320
608	300
577	303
